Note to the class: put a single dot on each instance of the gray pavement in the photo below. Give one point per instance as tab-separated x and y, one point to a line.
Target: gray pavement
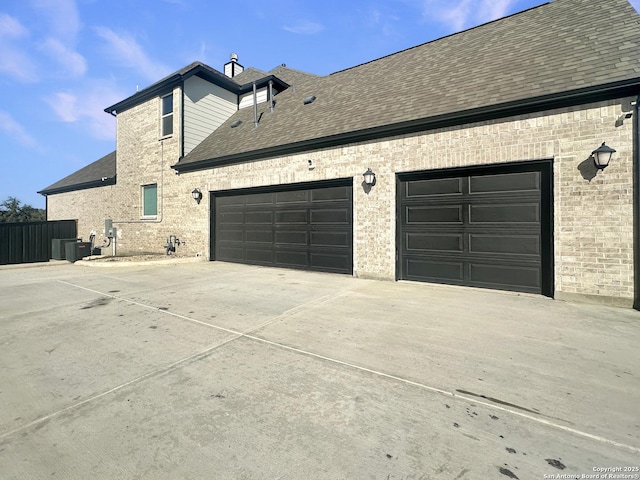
219	371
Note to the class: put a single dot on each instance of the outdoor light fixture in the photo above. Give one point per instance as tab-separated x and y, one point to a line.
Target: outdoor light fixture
602	155
369	178
197	195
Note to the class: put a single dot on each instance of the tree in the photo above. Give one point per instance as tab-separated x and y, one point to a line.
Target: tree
12	210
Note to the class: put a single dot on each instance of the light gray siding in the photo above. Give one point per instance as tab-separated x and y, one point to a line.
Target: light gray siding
247	99
206	107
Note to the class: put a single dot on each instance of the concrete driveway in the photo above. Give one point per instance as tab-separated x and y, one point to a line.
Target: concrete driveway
221	371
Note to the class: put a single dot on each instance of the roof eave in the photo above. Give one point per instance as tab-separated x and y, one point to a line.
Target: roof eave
585	95
175	80
79	186
145	94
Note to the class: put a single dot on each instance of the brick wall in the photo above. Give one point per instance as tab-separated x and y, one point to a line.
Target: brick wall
593	237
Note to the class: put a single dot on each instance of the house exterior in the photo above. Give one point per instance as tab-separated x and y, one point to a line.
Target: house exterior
481	144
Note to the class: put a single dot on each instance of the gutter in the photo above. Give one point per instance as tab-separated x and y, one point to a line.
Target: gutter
178	79
636	204
79	186
597	93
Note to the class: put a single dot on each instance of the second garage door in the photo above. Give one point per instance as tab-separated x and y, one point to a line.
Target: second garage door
301	226
483	227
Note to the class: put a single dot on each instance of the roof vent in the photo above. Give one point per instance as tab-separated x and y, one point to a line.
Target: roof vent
236	123
233	68
309	99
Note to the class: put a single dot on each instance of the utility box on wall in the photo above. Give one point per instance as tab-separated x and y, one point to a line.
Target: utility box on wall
75	251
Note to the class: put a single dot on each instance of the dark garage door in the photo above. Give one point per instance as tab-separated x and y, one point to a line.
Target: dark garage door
485	227
304	226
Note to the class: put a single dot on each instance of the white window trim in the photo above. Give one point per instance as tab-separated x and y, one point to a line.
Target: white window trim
163	116
142	215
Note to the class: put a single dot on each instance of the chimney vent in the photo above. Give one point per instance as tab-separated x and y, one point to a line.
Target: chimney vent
233	68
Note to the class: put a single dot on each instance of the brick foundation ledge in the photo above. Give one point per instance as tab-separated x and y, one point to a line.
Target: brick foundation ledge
594	299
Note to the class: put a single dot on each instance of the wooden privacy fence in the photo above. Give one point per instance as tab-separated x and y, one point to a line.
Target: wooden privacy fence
31	241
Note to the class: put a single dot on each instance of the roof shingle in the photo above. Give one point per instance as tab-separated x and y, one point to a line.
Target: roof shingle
102	172
544	51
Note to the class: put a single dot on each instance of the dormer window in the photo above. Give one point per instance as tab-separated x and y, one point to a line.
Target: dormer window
166	120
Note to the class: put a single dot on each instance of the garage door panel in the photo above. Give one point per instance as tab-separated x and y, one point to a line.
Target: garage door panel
480	226
262	256
510	213
259	236
440	186
292	238
331	194
307	228
331	262
429	242
331	239
505	244
290	217
257	199
434	270
295	196
231	201
292	258
231	235
231	252
434	214
340	216
500	276
258	217
511	182
231	218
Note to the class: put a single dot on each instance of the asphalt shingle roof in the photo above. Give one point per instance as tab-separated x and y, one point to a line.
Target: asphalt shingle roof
102	172
249	75
557	47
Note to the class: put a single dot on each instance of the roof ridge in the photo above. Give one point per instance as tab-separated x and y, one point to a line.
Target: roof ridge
284	67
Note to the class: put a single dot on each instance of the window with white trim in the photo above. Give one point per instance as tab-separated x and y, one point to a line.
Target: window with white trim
166	120
150	200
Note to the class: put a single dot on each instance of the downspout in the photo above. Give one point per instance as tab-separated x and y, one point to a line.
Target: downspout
271	102
255	106
636	205
182	121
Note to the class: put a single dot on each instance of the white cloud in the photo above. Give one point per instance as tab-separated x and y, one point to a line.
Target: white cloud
457	15
462	14
86	108
63	17
384	22
64	27
125	51
73	63
11	27
13	129
17	64
494	9
65	106
305	28
14	60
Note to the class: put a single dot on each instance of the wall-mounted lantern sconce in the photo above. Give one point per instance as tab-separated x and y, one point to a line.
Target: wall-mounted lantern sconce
602	155
196	195
369	178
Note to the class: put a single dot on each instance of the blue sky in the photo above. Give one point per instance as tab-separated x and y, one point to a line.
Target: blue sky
62	62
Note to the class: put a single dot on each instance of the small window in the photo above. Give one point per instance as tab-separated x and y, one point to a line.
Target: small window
167	115
150	200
